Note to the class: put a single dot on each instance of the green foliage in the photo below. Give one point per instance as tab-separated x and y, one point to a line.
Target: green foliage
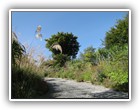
69	45
89	55
102	54
111	71
115	68
117	35
60	59
116	76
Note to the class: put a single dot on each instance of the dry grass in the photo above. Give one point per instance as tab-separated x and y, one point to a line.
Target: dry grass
27	76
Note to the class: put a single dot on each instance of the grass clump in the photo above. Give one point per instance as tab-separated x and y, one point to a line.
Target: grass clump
26	83
26	76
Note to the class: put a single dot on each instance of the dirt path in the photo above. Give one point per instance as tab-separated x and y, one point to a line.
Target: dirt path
62	88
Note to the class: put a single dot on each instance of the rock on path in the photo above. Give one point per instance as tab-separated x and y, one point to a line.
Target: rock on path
63	88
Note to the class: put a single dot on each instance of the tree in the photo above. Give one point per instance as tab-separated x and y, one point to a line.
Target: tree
65	41
89	55
117	35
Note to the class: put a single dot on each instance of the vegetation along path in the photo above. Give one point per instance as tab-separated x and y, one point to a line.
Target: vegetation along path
63	88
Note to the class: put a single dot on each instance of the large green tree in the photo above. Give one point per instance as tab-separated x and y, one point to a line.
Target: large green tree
63	46
117	35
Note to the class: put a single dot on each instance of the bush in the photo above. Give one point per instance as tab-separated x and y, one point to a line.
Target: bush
26	83
60	60
116	70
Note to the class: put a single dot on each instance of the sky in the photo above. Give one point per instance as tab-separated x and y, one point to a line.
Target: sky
89	27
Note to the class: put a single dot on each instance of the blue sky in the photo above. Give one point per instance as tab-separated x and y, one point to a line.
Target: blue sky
89	27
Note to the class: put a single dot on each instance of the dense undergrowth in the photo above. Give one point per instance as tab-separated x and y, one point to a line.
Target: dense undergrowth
111	72
26	76
104	74
26	83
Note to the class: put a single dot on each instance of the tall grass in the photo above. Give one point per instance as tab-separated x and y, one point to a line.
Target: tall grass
27	75
26	83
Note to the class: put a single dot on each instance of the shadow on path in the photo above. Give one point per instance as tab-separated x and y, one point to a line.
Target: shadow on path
110	94
58	89
52	90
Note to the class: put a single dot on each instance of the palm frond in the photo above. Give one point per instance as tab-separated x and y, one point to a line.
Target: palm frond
57	47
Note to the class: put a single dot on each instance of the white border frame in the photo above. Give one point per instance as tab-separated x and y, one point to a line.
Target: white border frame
68	10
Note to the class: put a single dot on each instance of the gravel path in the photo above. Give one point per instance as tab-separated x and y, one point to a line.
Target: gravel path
63	88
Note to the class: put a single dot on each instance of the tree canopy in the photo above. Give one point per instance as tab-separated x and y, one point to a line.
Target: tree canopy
117	35
67	41
64	47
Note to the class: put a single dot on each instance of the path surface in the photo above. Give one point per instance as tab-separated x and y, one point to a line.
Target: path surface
63	88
